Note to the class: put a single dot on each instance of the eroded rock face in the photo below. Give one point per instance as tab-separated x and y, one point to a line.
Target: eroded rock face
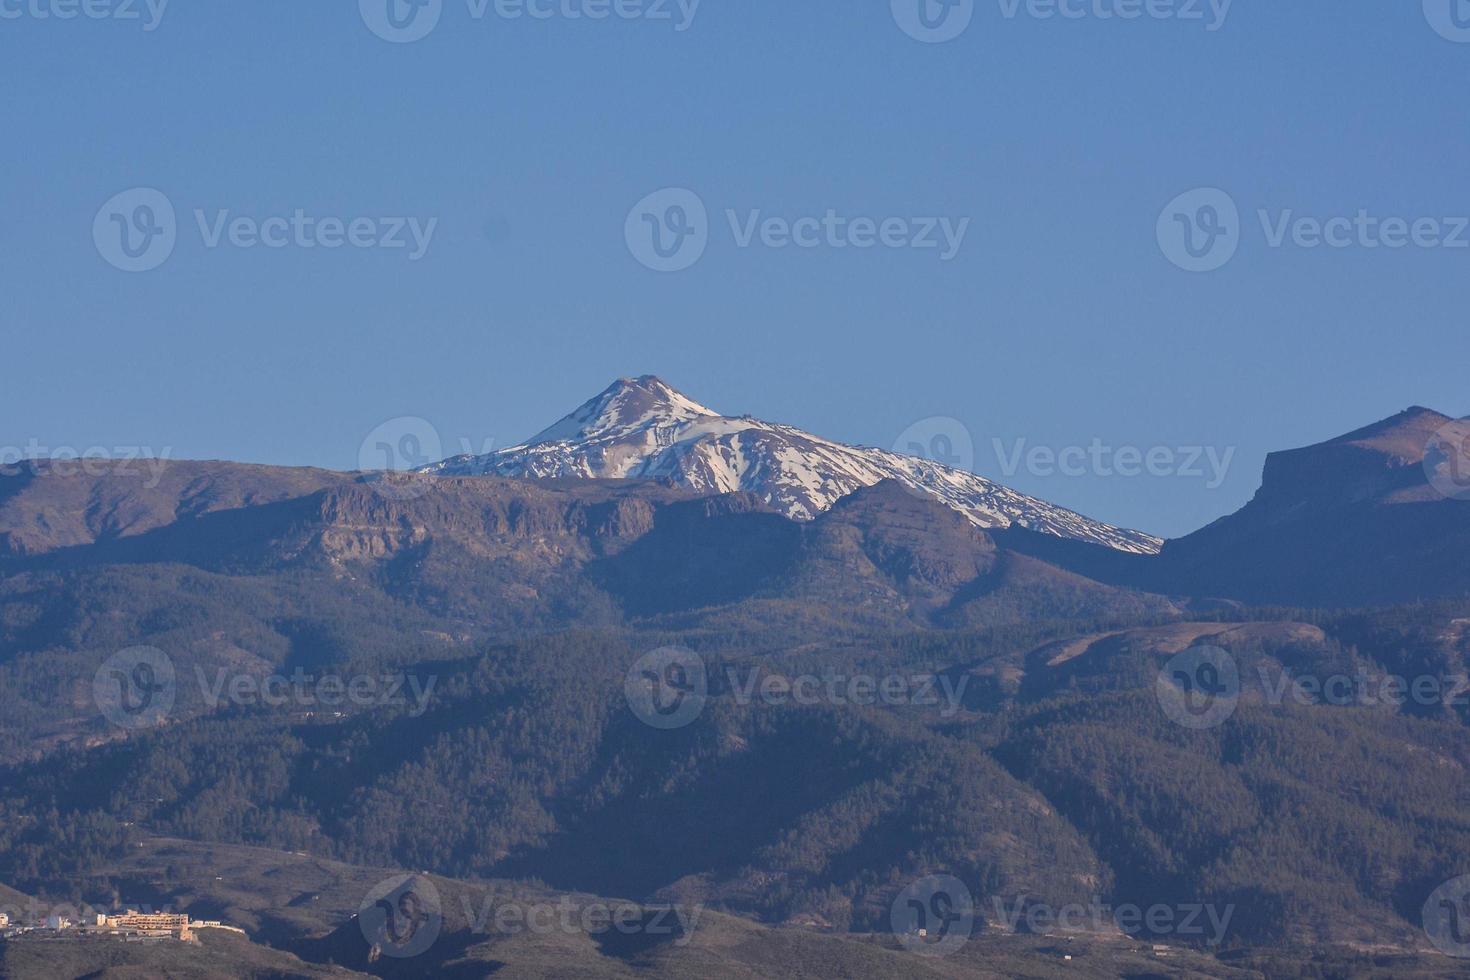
1350	521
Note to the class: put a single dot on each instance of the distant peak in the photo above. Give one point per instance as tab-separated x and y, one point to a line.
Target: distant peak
1359	465
1404	434
643	428
651	383
627	404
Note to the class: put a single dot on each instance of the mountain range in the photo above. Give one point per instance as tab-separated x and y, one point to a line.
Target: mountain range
644	503
642	428
1354	520
1347	523
523	601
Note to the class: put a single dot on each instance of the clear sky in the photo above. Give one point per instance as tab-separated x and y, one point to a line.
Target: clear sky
1059	320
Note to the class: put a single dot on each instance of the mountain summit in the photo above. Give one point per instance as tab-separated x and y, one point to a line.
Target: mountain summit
1355	520
643	428
626	406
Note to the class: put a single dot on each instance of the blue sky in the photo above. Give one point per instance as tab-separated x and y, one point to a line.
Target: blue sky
1060	319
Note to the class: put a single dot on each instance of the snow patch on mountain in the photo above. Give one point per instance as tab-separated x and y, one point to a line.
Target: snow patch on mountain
641	428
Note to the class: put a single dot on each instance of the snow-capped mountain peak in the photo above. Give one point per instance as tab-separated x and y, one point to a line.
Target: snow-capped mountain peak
643	428
623	407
